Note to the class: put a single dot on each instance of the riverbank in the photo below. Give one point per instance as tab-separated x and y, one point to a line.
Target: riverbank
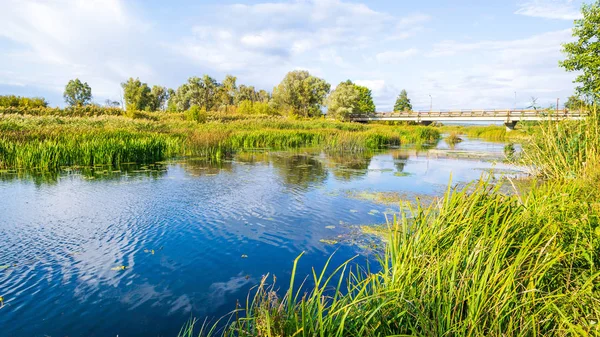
477	262
47	142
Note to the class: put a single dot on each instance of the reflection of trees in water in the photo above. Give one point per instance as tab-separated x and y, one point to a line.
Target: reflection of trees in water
299	169
346	166
253	157
400	160
91	173
199	167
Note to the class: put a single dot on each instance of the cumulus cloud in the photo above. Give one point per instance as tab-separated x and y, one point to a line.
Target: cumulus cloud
550	9
51	42
273	37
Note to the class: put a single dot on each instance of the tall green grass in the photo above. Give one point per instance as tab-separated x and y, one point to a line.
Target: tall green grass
477	262
49	142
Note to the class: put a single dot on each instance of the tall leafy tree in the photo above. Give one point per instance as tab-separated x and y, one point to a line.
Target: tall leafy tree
344	101
403	102
227	91
365	100
575	103
137	95
158	98
77	93
583	54
301	93
197	91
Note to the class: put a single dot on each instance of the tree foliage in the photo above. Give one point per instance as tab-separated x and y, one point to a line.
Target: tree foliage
300	94
583	55
22	102
575	103
196	114
77	93
197	91
343	101
365	100
158	98
137	95
403	102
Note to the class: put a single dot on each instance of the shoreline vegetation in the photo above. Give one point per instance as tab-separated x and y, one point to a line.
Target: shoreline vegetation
48	139
475	262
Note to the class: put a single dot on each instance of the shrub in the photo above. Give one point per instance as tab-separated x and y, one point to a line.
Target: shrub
196	114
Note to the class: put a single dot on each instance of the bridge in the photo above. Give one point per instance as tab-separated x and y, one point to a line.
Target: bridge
510	117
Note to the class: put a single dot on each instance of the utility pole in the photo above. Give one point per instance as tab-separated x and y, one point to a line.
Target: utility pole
557	104
430	103
515	101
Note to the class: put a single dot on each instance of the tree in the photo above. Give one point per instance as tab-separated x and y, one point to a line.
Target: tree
583	55
77	93
575	103
534	104
158	98
196	114
111	104
197	91
137	95
246	93
301	94
344	101
227	91
365	100
403	102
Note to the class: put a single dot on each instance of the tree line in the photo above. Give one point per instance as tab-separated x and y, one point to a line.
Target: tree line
299	93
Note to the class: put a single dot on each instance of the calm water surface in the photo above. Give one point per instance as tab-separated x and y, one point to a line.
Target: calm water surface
194	237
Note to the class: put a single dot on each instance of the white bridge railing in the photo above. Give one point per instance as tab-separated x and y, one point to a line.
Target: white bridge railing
506	115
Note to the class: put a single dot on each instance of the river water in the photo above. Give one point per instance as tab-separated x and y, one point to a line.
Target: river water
193	237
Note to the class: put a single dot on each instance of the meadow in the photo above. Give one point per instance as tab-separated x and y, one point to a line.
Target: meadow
476	262
48	138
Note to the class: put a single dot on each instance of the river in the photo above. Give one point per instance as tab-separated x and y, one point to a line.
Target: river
96	252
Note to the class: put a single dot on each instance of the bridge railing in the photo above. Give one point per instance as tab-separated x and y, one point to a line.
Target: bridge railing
509	113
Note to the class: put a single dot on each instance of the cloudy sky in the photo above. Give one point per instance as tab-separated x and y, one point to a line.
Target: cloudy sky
464	53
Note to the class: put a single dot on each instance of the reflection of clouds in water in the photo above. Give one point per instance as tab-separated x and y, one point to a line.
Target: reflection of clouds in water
143	294
218	291
182	303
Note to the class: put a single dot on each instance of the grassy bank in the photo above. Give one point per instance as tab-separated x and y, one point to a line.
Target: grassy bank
478	262
495	133
50	141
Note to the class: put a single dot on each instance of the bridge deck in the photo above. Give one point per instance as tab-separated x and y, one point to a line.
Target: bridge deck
506	116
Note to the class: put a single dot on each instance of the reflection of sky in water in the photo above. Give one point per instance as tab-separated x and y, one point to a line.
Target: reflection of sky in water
66	233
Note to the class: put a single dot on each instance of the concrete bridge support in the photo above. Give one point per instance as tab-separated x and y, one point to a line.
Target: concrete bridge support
425	123
510	125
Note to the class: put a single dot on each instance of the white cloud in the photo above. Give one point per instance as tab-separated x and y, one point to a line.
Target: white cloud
550	9
384	93
395	56
490	72
53	42
262	41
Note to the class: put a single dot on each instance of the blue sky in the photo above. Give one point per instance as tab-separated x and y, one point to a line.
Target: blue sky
465	53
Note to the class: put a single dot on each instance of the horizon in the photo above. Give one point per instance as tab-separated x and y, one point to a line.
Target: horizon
464	55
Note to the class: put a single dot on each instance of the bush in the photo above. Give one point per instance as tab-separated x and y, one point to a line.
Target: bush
23	102
196	114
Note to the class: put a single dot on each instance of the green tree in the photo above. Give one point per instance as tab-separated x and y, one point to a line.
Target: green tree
158	98
246	93
344	101
197	91
365	100
137	95
227	91
301	94
583	55
575	103
77	93
196	114
403	102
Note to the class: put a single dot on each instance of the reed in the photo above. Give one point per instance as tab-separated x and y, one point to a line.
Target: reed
49	142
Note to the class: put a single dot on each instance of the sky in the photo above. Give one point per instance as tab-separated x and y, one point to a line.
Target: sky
460	54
